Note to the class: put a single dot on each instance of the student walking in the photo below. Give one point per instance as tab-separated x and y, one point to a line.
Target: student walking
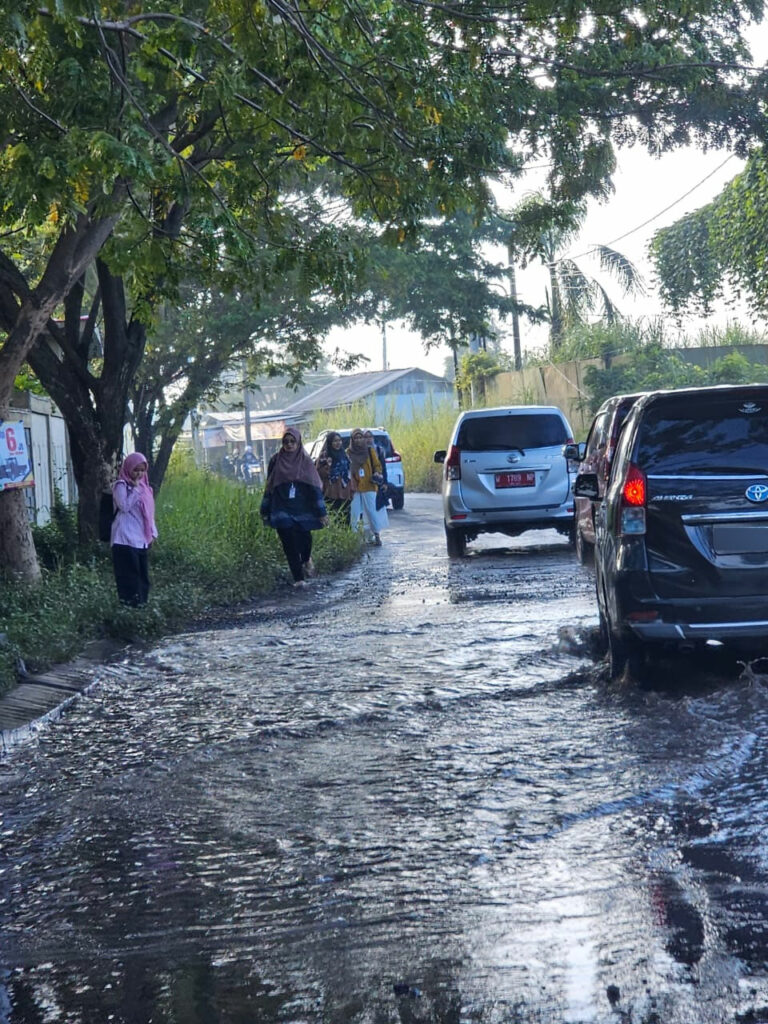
366	472
334	470
133	530
293	504
382	498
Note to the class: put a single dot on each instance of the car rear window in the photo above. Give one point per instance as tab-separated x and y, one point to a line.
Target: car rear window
720	437
524	430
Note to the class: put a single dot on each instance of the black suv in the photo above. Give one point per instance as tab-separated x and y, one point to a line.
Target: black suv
681	537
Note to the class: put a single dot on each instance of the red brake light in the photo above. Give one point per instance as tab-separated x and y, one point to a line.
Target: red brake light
634	490
394	457
453	464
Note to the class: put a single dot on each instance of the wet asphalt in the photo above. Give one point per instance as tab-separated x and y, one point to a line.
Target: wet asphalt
408	793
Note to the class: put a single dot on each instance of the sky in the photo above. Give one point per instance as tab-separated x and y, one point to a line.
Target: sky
649	193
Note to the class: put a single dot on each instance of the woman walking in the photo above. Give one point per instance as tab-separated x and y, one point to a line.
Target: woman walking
293	504
367	475
334	470
133	530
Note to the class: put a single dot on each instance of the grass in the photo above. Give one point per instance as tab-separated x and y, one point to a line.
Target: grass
213	551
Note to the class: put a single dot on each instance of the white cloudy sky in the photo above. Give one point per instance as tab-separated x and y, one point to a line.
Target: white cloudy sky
650	193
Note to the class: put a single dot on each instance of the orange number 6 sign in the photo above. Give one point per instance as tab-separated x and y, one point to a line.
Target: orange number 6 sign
10	440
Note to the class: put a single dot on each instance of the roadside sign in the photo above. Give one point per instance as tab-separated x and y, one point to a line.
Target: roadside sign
15	462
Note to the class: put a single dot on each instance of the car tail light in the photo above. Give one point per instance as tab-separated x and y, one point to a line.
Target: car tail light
394	457
453	464
634	492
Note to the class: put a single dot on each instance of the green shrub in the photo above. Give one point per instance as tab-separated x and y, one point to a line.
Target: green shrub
213	550
56	543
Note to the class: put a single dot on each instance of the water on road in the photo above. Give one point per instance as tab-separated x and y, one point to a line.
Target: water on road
408	794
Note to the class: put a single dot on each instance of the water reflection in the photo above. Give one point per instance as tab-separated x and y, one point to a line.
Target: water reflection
402	807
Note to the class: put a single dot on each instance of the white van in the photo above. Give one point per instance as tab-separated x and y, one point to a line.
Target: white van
394	462
505	472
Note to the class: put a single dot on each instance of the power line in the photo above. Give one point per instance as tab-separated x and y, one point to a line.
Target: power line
661	212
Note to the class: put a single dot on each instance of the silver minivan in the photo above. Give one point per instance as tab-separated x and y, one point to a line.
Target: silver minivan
505	472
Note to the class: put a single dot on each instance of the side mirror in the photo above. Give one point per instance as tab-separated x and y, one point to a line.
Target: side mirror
586	486
574	452
440	456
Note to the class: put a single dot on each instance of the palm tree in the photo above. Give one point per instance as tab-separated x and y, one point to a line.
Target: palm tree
541	231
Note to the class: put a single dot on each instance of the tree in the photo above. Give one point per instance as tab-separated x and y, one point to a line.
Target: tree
720	250
209	332
476	369
129	135
442	283
541	230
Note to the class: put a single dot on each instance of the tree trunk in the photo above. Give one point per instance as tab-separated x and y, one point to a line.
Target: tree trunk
94	408
459	392
556	312
515	315
18	558
73	251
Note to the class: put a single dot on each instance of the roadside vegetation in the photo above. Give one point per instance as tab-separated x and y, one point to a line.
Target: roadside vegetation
213	551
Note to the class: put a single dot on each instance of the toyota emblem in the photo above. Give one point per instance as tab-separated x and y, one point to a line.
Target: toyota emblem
757	493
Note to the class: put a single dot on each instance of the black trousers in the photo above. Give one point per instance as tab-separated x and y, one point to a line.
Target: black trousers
297	545
131	567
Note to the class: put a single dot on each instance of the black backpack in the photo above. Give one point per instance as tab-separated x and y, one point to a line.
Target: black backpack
106	515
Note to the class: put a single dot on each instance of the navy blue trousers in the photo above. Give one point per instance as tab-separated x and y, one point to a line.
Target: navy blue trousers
131	567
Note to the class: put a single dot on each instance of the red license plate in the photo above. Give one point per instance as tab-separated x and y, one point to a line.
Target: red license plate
515	480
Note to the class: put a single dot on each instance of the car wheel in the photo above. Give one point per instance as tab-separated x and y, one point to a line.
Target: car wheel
455	542
398	500
627	657
584	550
602	637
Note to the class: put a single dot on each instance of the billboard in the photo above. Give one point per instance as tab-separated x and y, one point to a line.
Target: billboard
15	461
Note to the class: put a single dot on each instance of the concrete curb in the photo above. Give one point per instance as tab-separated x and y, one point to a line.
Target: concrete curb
42	697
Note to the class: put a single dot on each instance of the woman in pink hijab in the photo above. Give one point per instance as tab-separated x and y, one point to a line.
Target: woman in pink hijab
133	530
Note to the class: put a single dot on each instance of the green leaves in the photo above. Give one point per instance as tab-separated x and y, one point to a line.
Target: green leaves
720	250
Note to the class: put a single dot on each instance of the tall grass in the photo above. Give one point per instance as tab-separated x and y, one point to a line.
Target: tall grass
210	529
213	550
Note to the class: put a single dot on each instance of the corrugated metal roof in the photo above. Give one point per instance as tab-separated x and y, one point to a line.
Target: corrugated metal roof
351	388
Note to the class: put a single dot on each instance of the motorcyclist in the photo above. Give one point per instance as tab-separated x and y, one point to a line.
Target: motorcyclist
250	464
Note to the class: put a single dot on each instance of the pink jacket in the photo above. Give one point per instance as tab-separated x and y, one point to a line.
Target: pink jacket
128	524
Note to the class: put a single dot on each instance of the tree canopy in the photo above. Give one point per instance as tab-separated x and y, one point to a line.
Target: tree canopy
146	140
721	250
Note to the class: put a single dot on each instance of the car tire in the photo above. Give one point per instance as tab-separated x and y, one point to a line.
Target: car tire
627	658
585	551
602	633
456	543
398	500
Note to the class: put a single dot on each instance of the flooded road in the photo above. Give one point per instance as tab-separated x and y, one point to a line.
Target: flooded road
408	795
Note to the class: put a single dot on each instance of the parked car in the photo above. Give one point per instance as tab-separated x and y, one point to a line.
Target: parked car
395	470
596	456
681	536
505	472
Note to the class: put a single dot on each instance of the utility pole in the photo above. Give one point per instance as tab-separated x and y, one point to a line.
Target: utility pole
384	345
515	317
246	404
